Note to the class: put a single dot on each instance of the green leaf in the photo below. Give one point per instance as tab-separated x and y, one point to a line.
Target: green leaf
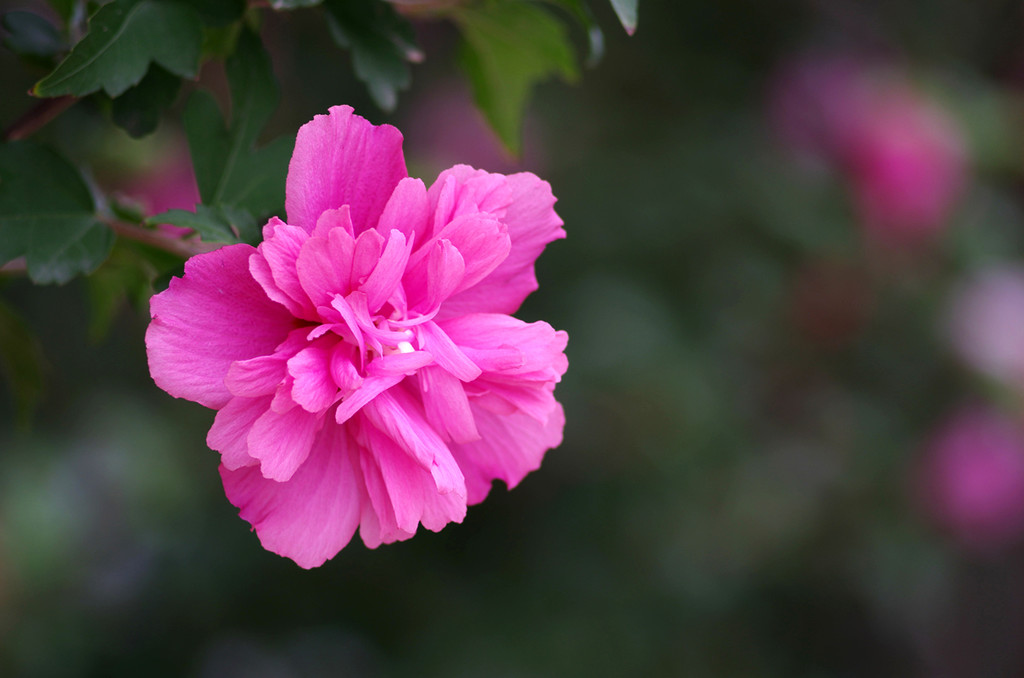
626	9
217	12
222	223
126	276
31	35
230	170
21	362
47	215
381	42
138	110
124	37
509	46
580	10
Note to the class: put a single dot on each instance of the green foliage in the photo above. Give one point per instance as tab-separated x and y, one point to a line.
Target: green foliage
21	362
509	47
30	35
580	10
381	42
47	215
222	223
124	37
138	110
230	171
217	12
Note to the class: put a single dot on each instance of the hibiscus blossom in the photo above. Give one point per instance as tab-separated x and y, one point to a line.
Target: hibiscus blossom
362	362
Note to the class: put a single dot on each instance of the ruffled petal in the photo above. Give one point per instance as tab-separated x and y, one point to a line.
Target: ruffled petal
446	353
282	441
510	446
280	251
313	515
342	159
314	388
505	345
462	190
407	209
532	224
324	265
230	430
387	271
212	317
446	405
403	494
396	414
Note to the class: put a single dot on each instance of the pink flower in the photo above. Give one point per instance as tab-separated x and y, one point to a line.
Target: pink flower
986	324
902	156
813	101
362	360
973	479
907	165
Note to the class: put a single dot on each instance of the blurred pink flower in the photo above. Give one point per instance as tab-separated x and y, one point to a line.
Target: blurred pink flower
986	323
362	360
972	479
170	185
813	101
903	157
446	127
907	165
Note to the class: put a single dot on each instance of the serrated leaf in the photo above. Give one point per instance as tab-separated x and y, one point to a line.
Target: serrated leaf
222	223
21	362
138	110
626	10
381	42
31	35
47	215
510	45
124	37
230	170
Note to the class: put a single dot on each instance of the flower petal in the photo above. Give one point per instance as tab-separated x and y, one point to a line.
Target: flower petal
324	265
407	209
313	515
342	159
387	272
446	353
403	493
446	405
532	224
509	447
489	340
282	441
314	389
212	317
280	250
230	430
396	414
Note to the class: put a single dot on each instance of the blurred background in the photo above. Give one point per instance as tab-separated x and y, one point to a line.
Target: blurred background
794	291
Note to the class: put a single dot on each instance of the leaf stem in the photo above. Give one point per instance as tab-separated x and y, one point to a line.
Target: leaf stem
178	246
37	117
